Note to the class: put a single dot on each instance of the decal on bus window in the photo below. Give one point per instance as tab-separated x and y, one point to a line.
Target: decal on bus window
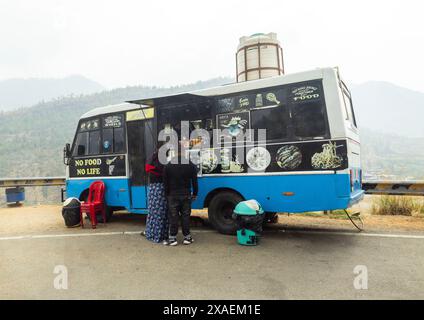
281	157
270	96
288	157
112	122
328	158
208	160
259	102
244	103
140	114
258	158
249	100
233	125
89	125
102	166
305	93
225	105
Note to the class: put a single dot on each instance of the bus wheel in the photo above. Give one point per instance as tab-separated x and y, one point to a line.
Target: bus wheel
220	211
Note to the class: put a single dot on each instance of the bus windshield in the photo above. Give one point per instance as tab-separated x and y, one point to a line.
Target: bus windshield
96	136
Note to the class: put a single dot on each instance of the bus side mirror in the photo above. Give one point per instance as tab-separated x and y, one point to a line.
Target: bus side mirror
66	153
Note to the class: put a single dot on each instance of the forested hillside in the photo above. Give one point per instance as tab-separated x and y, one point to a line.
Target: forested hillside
32	139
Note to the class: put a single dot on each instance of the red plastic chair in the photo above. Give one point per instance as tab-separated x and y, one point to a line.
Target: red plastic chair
94	204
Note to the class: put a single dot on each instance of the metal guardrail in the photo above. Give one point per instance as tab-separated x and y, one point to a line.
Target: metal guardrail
400	188
410	188
32	182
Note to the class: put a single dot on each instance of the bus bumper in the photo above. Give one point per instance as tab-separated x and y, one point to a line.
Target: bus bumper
355	197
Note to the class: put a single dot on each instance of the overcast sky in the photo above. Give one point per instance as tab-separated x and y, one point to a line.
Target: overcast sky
119	43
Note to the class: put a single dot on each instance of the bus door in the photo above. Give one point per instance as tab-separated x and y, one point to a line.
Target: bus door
140	149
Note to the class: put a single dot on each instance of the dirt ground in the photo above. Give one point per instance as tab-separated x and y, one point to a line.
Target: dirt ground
48	218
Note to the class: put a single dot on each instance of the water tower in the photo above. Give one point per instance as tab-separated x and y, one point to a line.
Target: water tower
259	56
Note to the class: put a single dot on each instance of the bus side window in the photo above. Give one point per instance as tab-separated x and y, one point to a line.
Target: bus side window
94	143
273	120
81	144
118	140
308	120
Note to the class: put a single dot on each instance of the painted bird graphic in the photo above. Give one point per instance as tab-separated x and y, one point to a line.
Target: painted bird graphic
235	125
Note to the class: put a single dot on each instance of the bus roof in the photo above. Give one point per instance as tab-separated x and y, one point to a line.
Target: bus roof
219	90
110	109
237	87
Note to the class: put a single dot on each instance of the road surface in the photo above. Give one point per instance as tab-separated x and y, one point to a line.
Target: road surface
115	262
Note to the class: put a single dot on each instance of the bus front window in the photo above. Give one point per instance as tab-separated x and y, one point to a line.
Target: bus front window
94	143
81	144
113	135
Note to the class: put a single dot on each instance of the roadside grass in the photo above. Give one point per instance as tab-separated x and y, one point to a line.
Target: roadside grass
398	206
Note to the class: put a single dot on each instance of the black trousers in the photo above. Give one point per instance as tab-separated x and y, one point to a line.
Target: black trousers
179	205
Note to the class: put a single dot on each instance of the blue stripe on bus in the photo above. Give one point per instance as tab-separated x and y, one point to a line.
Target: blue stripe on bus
117	194
310	192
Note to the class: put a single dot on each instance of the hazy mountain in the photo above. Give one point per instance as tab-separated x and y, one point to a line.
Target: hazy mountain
385	107
32	139
389	156
15	93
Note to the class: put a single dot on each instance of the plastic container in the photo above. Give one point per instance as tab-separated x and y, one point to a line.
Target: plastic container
249	216
15	194
259	56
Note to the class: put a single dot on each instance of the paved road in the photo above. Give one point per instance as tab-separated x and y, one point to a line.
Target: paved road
288	264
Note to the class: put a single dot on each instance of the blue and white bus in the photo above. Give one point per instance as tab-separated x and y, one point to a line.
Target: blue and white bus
309	160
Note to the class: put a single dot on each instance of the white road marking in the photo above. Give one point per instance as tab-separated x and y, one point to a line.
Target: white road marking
114	233
75	235
362	234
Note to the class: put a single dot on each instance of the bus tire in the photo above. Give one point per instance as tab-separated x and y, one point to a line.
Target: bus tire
220	211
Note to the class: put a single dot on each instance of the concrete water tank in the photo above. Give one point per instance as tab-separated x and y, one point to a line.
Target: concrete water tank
259	56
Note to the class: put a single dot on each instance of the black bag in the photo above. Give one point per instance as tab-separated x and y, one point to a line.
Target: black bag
71	212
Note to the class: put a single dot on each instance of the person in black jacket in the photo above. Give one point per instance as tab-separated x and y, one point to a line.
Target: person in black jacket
181	188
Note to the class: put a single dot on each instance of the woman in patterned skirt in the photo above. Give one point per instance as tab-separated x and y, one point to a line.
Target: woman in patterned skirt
157	220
